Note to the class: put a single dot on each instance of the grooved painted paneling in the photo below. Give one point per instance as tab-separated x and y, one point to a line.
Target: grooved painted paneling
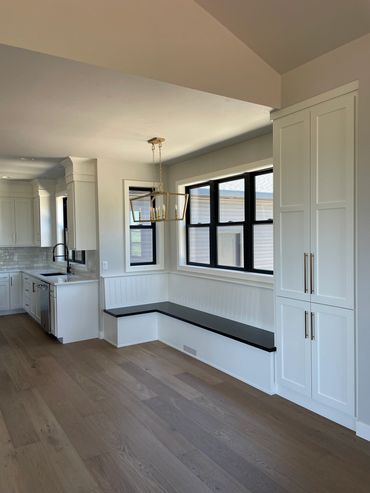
135	290
248	304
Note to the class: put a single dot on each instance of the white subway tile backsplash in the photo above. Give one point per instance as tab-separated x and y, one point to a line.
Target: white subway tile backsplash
24	257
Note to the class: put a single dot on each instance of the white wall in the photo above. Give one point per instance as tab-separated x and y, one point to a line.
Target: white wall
345	64
110	177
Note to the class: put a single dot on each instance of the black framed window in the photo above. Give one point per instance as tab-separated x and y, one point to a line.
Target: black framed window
229	223
142	235
76	256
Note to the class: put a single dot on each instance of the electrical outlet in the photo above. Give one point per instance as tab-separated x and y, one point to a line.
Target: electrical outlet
105	265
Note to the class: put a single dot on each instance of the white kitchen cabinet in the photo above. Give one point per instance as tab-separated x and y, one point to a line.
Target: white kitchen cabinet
333	366
74	311
292	204
7	222
35	300
294	345
315	349
314	161
81	203
332	201
15	286
314	152
4	292
27	288
16	221
23	212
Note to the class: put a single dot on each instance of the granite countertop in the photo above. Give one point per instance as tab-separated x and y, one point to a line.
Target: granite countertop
61	279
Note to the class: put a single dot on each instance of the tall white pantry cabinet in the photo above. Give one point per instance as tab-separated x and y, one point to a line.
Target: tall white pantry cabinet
314	166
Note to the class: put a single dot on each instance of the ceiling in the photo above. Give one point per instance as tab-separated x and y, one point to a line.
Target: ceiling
288	33
52	107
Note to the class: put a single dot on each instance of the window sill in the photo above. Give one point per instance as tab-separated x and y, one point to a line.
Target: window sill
249	278
131	269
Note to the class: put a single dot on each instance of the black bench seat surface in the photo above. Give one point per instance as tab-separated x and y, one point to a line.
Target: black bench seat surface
253	336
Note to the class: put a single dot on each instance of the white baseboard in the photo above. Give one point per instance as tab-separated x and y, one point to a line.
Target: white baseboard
363	430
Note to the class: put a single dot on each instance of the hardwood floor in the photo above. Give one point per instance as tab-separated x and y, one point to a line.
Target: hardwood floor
87	417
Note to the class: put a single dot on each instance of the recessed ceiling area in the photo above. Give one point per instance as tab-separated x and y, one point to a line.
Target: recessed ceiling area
288	33
52	107
21	168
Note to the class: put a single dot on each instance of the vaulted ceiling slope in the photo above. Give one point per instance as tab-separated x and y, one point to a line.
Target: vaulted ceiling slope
174	41
289	33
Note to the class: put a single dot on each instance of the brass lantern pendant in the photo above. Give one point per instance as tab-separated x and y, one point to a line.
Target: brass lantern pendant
163	205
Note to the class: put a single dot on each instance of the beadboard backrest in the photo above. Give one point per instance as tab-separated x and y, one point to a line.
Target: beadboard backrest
237	301
138	289
245	303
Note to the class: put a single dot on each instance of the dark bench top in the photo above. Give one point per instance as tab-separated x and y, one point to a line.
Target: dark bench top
259	338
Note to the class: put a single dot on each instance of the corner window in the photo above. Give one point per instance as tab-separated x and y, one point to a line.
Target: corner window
142	235
229	223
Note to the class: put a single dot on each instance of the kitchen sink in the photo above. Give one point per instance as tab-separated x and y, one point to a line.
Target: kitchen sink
48	274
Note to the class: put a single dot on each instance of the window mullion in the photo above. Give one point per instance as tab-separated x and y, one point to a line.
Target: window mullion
248	225
213	224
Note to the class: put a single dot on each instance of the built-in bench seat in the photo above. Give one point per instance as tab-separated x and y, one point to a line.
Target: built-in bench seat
241	350
247	334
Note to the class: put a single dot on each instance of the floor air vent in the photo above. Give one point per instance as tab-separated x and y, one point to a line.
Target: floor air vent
189	350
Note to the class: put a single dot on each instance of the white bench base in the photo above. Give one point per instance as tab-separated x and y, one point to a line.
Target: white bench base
246	363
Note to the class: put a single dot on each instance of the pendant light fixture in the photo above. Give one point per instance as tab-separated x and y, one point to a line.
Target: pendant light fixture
158	205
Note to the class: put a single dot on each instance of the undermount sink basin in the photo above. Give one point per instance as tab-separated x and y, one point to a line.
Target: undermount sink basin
48	274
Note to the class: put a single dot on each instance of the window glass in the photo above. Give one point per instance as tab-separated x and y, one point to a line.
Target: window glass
263	247
199	245
230	246
142	206
264	196
231	201
141	246
200	205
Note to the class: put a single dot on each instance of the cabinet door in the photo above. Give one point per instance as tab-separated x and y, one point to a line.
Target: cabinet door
36	222
7	222
292	209
333	366
293	345
24	222
4	292
15	291
332	201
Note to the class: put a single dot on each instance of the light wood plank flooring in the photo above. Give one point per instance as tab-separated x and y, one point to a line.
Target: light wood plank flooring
87	417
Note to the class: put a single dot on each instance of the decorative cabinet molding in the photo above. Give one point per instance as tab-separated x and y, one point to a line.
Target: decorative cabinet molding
80	177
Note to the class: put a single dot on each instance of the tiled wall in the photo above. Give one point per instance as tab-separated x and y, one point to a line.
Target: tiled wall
24	257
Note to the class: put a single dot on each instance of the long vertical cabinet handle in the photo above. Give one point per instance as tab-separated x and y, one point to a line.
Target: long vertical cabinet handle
305	258
306	334
312	278
313	335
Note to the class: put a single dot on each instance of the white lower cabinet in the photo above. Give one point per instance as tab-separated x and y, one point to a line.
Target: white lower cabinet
15	290
4	292
315	356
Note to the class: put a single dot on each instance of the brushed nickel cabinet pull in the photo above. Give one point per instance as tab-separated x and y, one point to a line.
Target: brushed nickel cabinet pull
305	256
312	266
312	326
306	335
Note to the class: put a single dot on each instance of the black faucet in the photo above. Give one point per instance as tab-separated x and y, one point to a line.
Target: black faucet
65	256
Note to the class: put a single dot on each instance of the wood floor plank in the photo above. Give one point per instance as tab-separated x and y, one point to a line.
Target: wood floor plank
87	417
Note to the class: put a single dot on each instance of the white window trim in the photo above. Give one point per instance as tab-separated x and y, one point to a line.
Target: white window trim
252	278
159	237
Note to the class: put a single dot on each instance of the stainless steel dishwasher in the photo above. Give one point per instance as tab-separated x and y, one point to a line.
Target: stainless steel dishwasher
43	290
